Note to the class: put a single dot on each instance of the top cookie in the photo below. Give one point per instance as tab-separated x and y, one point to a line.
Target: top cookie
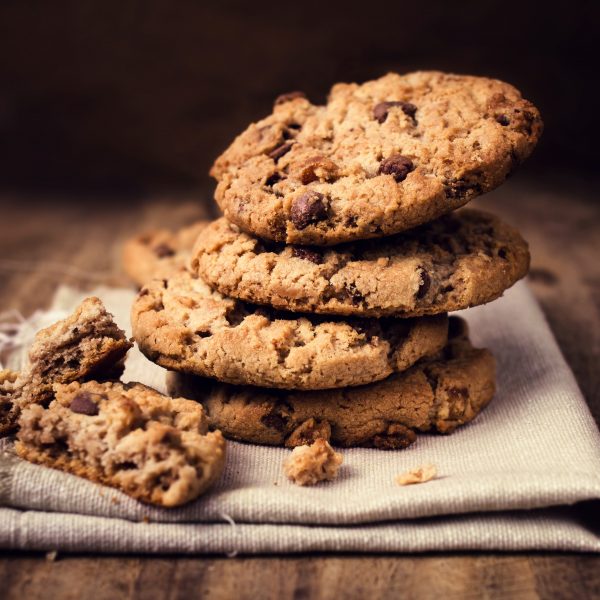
377	159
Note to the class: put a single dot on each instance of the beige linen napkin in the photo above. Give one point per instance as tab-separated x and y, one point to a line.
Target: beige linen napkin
508	481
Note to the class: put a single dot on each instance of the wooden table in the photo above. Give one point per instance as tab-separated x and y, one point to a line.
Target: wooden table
45	241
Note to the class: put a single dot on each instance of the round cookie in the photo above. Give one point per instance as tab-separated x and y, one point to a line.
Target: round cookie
460	260
159	253
435	395
183	325
377	159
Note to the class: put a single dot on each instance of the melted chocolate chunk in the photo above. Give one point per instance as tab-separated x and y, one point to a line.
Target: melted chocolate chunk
280	151
397	165
308	208
84	405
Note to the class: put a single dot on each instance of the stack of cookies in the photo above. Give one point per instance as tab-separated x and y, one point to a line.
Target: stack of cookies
316	308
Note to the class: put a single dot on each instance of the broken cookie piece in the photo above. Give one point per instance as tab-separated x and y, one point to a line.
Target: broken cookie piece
308	465
417	475
87	344
128	436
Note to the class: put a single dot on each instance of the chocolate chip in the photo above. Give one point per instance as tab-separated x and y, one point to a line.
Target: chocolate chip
162	251
307	254
397	165
283	98
502	252
424	285
380	112
503	120
280	151
409	109
84	405
308	208
273	179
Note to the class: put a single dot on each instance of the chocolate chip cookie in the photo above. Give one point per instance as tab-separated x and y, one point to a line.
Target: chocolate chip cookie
160	253
183	325
377	159
460	260
88	344
434	395
130	437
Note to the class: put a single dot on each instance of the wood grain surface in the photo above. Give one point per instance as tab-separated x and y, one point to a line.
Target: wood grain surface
46	241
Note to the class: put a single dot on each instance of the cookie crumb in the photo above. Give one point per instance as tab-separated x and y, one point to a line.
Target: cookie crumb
52	555
417	475
308	465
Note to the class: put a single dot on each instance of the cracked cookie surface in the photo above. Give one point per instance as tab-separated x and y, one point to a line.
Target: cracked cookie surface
159	253
377	159
184	325
127	436
463	259
87	344
440	395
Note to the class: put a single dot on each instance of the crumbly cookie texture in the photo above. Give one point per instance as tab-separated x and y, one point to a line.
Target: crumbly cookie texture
8	410
159	253
184	325
130	437
308	465
460	260
435	395
88	344
377	159
420	474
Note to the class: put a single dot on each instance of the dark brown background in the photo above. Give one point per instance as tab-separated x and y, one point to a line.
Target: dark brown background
140	96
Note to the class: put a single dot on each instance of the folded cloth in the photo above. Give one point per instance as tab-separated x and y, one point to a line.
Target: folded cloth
507	481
